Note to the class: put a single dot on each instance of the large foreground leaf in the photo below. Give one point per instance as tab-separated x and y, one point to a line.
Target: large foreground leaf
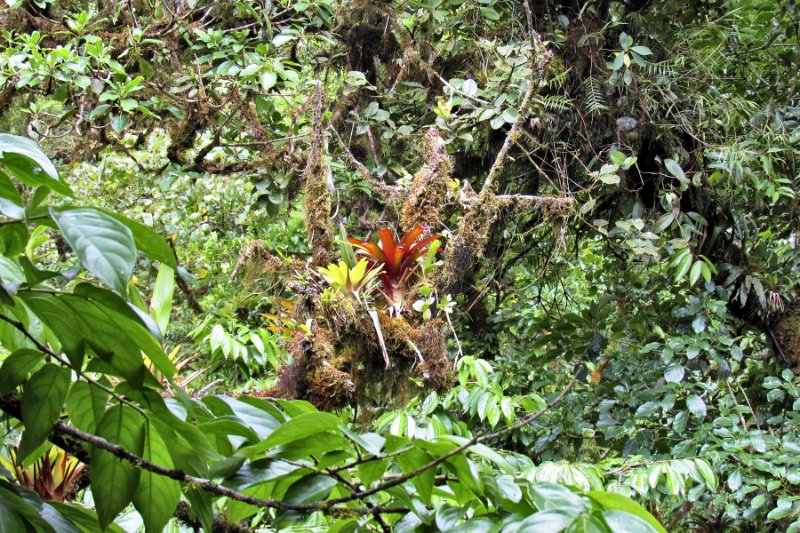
157	496
105	246
26	162
114	480
42	399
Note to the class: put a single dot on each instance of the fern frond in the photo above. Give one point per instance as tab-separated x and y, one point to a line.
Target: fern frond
558	80
595	103
555	102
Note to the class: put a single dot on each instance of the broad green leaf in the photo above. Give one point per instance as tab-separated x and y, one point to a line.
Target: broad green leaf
202	507
118	123
371	442
79	323
412	461
60	319
25	161
675	169
13	239
128	104
42	399
509	489
42	515
261	471
156	496
263	423
85	519
624	522
683	267
10	520
447	516
268	79
614	501
706	472
161	302
371	471
11	275
735	480
695	272
86	405
481	524
696	405
647	409
663	222
147	240
674	373
301	427
552	496
551	521
309	489
114	480
104	245
466	471
11	203
130	321
490	13
16	368
678	257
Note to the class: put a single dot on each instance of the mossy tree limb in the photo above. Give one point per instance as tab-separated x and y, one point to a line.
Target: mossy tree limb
473	229
318	191
427	193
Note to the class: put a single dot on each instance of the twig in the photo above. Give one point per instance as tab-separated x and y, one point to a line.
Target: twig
50	353
746	399
477	439
502	155
11	405
529	15
455	336
736	403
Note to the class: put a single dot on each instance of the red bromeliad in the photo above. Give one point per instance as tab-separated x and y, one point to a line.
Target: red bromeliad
397	259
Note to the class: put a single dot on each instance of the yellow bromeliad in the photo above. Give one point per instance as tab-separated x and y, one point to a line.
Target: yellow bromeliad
357	282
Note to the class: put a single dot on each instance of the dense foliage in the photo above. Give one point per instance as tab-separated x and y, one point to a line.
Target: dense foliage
461	265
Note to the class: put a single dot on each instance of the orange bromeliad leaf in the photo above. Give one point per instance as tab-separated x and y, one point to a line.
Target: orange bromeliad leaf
398	257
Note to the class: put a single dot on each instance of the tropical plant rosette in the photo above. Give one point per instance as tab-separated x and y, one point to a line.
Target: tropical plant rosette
397	259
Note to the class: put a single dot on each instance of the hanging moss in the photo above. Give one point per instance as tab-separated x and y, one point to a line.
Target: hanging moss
318	190
787	340
317	204
257	262
469	243
427	194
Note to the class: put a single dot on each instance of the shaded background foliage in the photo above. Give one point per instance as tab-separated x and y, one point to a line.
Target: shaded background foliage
670	287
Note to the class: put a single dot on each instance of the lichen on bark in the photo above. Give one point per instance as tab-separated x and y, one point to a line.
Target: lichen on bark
427	193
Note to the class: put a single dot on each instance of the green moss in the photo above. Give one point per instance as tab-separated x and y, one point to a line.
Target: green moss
427	194
469	243
317	205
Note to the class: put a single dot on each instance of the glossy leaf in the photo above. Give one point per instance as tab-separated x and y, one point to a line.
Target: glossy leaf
618	502
148	241
114	480
26	162
16	368
104	245
301	427
622	522
42	399
156	496
86	405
